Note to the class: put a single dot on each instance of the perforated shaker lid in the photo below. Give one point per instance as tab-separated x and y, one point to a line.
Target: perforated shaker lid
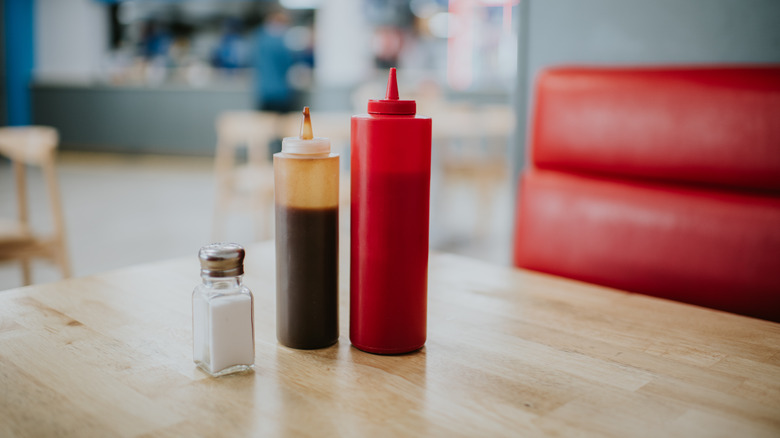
222	260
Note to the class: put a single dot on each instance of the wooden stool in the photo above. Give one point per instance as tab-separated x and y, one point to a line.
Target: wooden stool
249	186
32	146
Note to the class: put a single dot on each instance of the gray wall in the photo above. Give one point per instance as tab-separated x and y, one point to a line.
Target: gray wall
162	120
614	32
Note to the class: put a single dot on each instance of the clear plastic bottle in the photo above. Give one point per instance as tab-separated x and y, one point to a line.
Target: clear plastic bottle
306	184
223	312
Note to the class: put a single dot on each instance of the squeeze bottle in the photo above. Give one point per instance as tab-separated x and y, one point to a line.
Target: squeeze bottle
390	177
306	186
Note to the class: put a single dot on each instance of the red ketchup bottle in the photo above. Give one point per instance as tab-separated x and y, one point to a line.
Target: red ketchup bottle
391	175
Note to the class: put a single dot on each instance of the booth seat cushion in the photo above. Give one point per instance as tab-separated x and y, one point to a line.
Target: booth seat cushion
719	249
704	126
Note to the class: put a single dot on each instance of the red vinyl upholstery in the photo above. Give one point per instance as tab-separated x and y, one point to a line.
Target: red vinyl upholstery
659	181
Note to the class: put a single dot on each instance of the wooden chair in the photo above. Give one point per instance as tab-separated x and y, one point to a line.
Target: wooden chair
32	146
245	186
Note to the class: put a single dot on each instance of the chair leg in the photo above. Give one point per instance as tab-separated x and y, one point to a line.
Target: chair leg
223	166
269	209
260	217
219	225
26	272
63	260
485	204
59	251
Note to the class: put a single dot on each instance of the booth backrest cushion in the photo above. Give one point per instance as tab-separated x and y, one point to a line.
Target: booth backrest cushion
717	126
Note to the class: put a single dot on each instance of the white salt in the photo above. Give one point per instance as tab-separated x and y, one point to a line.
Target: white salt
231	336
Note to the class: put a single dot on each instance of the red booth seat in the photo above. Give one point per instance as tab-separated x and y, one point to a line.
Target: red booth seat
659	181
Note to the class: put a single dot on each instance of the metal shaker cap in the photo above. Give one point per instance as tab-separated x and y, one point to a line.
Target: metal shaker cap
222	260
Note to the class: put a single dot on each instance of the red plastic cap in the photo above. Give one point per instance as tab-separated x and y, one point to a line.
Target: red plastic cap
391	104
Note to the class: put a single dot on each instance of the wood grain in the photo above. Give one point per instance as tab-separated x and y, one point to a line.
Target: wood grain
509	353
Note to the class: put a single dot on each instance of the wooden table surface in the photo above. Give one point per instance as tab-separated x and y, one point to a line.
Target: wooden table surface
509	353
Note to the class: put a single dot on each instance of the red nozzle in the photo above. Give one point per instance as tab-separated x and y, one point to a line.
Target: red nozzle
392	86
392	104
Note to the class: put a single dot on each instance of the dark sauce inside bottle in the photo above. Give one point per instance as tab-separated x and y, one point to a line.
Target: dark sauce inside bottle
307	276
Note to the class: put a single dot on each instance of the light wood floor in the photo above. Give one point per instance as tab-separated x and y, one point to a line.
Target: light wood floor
123	210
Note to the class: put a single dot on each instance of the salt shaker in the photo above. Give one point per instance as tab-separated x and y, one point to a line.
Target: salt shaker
223	312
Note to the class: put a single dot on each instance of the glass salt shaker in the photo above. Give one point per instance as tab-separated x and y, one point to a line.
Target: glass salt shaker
223	312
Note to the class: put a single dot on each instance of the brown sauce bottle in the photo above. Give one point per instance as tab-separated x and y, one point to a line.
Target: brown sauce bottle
306	184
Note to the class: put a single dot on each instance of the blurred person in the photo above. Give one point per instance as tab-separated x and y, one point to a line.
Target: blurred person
388	44
231	52
272	60
156	40
155	47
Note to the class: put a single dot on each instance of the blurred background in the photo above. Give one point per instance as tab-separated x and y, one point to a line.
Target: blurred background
145	94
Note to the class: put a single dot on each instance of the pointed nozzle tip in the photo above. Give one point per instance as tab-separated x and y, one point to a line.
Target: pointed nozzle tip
392	86
392	104
306	131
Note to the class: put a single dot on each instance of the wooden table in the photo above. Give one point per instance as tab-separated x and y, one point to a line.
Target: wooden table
509	353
